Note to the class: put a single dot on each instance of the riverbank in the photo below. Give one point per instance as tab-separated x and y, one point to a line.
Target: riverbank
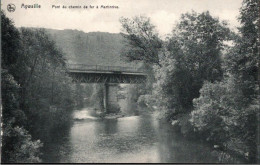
182	126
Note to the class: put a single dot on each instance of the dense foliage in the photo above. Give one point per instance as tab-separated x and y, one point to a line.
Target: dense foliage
226	112
16	142
193	56
142	42
35	87
206	79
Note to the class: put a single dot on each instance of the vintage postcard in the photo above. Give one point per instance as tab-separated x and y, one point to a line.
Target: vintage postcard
130	81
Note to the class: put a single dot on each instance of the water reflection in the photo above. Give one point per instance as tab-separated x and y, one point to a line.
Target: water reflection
179	150
136	139
57	146
108	127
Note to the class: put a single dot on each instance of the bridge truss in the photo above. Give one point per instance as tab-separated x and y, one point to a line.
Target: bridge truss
105	74
107	78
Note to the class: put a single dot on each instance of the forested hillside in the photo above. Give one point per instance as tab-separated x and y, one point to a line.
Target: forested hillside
95	48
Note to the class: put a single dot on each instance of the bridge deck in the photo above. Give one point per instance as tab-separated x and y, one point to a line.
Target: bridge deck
105	74
103	69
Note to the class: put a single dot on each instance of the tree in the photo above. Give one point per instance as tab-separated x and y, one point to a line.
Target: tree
46	89
143	45
243	59
16	141
142	40
222	117
44	94
194	56
242	62
10	42
230	108
18	146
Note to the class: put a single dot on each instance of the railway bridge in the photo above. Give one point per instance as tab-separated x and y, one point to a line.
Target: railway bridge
107	75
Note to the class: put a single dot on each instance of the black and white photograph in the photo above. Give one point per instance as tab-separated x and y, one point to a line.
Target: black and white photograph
130	81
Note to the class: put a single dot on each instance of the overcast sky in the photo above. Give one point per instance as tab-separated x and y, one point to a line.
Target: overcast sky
163	13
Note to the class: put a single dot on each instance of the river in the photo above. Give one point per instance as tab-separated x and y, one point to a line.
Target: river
135	139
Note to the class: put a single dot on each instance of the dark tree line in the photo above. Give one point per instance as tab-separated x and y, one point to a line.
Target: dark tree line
37	94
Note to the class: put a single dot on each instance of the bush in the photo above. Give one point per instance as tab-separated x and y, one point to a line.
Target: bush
148	101
223	117
18	146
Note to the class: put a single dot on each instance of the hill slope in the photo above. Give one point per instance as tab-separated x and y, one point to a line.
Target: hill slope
94	48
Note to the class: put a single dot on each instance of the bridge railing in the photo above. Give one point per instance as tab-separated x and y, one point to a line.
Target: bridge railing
84	67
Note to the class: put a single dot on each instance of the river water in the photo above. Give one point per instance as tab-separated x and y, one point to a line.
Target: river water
135	139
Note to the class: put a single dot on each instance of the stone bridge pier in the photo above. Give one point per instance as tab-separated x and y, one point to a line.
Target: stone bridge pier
110	98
